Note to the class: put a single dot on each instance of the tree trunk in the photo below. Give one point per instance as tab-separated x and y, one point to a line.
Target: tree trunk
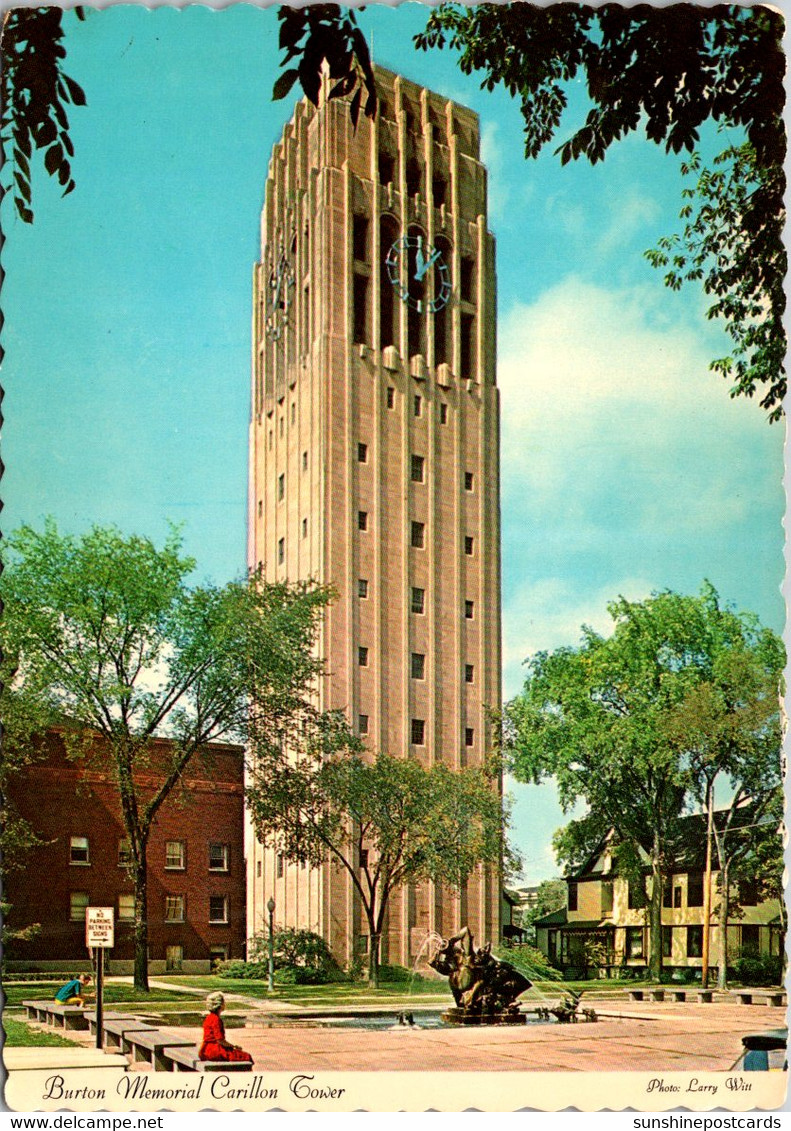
722	945
655	920
373	959
141	919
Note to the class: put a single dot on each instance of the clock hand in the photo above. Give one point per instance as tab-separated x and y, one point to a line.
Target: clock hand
420	263
424	264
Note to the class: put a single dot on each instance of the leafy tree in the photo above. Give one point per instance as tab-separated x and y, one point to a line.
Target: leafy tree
105	635
728	727
385	821
611	721
36	92
320	35
664	72
550	896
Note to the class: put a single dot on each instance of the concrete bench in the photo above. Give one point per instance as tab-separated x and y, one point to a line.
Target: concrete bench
185	1059
656	995
677	995
66	1016
148	1045
635	995
90	1017
36	1010
116	1033
768	996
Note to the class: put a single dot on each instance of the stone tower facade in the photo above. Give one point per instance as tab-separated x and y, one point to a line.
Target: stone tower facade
374	459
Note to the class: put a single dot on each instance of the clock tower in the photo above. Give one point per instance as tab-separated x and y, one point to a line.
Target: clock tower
374	460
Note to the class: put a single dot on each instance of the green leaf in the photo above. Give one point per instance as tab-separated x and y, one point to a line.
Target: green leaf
284	83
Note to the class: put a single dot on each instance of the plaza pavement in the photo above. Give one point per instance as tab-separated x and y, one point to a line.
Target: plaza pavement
649	1037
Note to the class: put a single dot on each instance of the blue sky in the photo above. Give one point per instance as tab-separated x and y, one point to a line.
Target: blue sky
625	466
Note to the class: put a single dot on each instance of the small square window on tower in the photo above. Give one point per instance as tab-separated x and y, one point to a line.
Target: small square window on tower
469	609
362	453
362	724
362	587
418	734
418	469
418	665
390	396
304	528
469	736
443	413
281	487
362	520
362	656
418	535
469	480
469	673
417	405
304	461
418	600
281	550
469	543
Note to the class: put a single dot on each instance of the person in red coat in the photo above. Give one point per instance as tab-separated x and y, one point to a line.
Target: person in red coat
214	1045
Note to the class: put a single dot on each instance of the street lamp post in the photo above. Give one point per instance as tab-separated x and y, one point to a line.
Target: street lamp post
270	906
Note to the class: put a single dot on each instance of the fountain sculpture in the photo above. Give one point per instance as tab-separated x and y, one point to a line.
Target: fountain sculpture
484	988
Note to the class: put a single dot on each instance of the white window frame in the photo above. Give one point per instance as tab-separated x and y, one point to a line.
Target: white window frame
80	844
180	866
225	910
226	852
79	917
123	901
174	903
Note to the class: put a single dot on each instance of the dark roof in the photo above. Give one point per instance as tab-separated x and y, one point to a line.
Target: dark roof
552	919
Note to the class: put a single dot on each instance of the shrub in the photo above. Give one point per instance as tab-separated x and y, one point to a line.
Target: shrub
293	947
758	970
301	976
236	968
531	962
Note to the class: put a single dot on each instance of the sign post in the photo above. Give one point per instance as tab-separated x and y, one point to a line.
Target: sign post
99	935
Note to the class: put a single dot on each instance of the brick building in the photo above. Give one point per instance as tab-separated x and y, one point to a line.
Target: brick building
374	458
196	867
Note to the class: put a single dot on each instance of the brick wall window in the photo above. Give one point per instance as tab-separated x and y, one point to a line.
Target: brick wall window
418	600
469	544
304	528
78	850
362	520
469	673
469	609
443	414
281	550
174	957
219	855
360	312
124	852
281	487
469	736
362	587
362	656
418	665
417	405
417	470
469	481
126	906
362	453
174	854
390	396
78	901
360	238
304	461
418	535
218	908
362	724
174	908
280	865
418	735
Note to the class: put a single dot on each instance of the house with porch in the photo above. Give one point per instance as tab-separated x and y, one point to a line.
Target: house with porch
604	926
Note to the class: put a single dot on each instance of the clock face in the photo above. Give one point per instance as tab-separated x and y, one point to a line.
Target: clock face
423	265
278	297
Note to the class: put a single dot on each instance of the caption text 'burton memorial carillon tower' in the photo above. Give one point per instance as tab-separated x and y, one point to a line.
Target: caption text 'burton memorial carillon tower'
374	459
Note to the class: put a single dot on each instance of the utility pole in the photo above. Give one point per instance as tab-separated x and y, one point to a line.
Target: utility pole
707	887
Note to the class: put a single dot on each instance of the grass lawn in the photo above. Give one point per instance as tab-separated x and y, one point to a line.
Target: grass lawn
114	993
17	1033
335	993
